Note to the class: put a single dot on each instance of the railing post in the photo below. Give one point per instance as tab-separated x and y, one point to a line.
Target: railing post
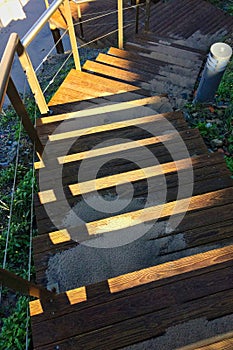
32	78
57	38
120	24
137	16
56	34
73	41
18	105
80	21
147	21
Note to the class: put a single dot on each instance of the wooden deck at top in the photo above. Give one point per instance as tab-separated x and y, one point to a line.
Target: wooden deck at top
175	276
177	20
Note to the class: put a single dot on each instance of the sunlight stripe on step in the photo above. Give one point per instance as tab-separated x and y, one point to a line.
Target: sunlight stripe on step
146	215
107	127
117	148
110	107
129	176
171	268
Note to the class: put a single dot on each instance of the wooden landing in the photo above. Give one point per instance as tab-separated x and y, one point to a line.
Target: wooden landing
177	20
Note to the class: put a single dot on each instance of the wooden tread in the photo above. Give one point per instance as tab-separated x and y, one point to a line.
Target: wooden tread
69	90
151	73
172	289
147	52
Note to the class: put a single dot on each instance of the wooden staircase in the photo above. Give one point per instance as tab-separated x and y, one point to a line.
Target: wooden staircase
126	276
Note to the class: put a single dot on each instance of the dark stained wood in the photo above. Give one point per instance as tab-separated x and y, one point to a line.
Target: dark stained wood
151	306
160	279
167	19
113	99
21	285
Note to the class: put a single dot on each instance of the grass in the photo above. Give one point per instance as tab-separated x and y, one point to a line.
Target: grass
215	122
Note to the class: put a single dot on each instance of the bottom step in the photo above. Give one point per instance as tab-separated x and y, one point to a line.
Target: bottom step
142	305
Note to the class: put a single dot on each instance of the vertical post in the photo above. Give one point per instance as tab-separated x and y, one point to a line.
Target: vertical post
120	24
56	34
73	41
32	78
80	21
219	56
57	38
137	16
147	21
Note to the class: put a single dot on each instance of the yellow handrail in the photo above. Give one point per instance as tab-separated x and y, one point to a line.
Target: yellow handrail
6	65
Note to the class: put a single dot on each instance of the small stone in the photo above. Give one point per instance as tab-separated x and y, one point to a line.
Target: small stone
216	143
208	125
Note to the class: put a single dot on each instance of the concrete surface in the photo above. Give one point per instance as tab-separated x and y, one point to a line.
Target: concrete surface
40	46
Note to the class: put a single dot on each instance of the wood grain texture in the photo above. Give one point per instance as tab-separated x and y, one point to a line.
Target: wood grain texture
112	98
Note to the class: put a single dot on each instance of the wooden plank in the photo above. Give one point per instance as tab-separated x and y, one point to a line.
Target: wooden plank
152	306
171	42
71	163
99	293
144	327
75	75
113	72
151	73
158	84
207	238
120	161
110	107
170	50
161	212
144	174
146	52
45	245
151	61
118	166
219	342
23	286
77	128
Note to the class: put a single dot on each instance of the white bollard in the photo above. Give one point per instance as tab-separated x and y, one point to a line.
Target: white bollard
218	58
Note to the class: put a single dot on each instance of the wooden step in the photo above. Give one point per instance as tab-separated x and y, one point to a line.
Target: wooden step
147	52
75	79
167	49
146	119
158	85
220	342
128	100
211	227
99	315
165	40
162	105
151	63
116	73
152	72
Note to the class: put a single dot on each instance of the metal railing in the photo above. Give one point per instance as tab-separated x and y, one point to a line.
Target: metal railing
7	86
